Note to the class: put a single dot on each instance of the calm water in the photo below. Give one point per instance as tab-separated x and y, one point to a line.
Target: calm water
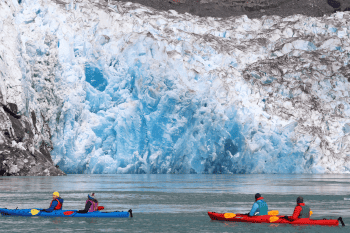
174	203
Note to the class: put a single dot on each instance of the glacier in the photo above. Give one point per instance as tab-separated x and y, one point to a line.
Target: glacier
128	89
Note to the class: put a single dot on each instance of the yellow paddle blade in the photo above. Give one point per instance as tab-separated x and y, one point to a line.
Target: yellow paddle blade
229	215
274	219
273	212
34	211
311	212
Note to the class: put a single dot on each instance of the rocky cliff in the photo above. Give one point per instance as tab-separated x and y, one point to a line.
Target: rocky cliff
24	150
251	8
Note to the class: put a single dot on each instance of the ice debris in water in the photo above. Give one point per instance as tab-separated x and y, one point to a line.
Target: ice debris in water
128	89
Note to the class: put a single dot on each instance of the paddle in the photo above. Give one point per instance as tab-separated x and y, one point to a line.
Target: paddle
229	215
273	212
34	212
274	218
100	208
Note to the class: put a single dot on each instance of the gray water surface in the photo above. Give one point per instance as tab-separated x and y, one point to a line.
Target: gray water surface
174	203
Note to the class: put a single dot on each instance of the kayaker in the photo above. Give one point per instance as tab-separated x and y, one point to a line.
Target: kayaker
91	204
56	203
259	207
300	211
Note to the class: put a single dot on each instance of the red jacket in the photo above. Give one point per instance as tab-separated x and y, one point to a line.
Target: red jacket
59	204
297	211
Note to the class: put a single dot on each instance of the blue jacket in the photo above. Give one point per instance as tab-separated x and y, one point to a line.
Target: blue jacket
54	204
259	206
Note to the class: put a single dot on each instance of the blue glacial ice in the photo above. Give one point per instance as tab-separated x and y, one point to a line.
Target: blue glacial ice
128	89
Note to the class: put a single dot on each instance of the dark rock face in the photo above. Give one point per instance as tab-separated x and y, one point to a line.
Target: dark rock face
339	5
251	8
333	3
22	151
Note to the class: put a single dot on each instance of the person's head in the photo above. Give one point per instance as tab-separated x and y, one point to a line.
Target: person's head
257	196
55	195
300	200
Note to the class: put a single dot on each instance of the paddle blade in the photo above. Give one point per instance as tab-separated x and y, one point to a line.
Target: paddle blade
68	212
311	212
273	212
274	219
34	211
100	208
229	215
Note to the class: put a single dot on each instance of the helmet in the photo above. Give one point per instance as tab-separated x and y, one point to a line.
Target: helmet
300	199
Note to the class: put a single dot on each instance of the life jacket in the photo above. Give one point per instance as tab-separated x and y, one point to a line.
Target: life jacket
263	208
59	204
93	206
305	212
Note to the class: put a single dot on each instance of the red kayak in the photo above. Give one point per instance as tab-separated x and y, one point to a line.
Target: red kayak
274	219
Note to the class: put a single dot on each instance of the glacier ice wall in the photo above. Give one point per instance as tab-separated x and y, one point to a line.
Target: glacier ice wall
25	139
128	89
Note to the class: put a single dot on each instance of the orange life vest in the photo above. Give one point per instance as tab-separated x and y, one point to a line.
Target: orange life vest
58	206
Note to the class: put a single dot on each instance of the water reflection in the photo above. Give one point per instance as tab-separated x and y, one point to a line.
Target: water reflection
235	184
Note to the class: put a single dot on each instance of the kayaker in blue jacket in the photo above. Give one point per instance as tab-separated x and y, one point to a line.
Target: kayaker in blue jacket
259	207
56	203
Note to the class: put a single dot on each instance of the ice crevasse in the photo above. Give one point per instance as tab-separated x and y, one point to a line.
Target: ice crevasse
128	89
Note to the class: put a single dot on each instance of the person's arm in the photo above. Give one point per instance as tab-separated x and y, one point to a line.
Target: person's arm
52	207
296	213
87	207
254	208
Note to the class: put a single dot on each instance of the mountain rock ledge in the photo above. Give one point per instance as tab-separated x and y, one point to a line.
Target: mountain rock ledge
23	150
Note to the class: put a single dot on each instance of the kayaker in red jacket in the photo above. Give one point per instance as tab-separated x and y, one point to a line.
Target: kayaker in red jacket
56	203
300	211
